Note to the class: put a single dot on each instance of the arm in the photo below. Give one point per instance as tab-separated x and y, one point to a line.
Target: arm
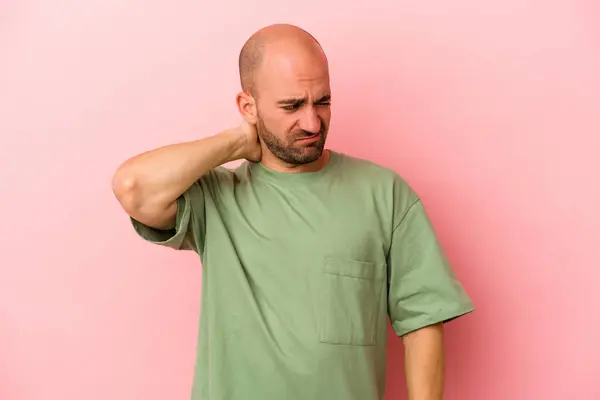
424	363
148	185
423	294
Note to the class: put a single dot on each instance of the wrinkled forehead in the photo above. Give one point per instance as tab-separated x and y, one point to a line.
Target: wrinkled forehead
293	74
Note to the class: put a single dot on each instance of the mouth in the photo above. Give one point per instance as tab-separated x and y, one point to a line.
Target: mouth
309	139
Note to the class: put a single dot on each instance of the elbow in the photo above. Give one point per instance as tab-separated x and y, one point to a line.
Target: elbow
125	189
138	202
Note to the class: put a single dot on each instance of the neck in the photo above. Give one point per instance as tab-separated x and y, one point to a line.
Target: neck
276	164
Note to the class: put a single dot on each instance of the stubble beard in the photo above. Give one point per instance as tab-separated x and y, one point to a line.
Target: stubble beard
286	151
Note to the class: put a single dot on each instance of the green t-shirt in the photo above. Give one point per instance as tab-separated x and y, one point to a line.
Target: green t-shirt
300	273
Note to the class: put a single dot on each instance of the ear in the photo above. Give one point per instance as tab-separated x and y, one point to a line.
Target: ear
247	107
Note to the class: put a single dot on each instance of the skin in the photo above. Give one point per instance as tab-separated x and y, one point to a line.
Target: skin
285	106
424	363
287	97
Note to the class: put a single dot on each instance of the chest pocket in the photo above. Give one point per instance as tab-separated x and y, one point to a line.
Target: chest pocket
350	297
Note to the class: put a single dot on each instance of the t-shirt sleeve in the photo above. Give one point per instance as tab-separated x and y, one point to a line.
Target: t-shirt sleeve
423	288
190	225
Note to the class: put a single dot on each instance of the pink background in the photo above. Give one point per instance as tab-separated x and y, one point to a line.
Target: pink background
491	109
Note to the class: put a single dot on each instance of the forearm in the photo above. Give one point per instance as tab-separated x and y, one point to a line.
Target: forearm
149	184
425	363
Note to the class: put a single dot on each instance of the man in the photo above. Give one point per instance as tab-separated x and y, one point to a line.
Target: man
306	252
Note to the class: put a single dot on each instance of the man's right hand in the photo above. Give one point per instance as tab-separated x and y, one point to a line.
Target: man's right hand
251	149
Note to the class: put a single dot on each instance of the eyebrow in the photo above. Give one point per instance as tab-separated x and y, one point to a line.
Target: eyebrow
297	100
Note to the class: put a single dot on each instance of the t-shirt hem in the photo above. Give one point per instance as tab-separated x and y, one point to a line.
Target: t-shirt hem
171	237
445	316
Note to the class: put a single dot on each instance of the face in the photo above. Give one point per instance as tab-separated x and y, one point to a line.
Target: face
293	109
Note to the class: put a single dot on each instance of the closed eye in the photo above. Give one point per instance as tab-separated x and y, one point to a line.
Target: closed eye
324	101
292	106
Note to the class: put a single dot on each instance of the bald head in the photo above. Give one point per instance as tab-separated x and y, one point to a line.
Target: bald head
286	94
280	40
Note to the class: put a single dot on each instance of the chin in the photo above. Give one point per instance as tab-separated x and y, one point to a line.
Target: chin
311	155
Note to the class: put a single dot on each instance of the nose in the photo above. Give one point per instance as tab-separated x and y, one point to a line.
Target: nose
310	121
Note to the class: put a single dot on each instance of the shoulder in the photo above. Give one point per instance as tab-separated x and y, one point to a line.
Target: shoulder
214	183
386	182
362	167
375	174
221	175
